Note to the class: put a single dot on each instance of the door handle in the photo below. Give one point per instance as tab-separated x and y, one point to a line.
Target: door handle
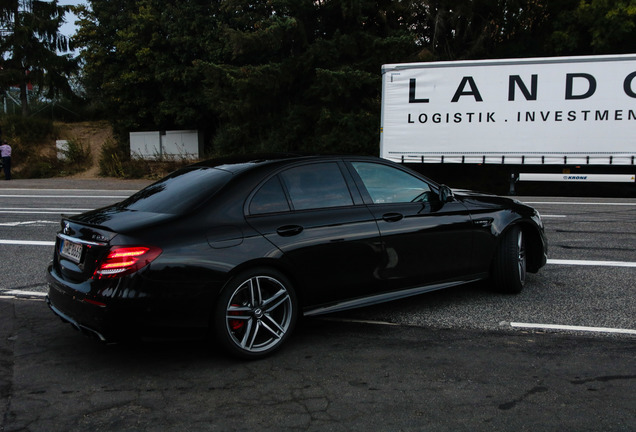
392	217
289	230
484	222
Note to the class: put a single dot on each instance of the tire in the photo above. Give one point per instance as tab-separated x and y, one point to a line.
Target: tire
255	313
509	267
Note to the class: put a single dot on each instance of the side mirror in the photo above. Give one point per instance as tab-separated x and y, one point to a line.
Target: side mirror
445	194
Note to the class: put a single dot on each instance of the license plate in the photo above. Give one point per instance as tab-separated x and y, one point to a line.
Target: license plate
72	251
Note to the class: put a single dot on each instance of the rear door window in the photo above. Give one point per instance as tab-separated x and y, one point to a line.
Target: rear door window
316	186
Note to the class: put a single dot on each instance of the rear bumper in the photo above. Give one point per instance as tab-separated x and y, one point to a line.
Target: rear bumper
102	322
130	308
80	327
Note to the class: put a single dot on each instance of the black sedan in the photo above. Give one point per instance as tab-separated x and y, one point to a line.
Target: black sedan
242	247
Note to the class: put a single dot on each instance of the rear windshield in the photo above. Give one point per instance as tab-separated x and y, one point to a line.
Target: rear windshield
180	192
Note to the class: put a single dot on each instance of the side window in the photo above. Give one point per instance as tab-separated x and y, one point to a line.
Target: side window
270	198
386	184
317	185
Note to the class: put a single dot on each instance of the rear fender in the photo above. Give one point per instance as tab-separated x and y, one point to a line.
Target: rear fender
276	264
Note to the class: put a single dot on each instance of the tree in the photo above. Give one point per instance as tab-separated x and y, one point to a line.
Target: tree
30	48
594	27
255	75
304	75
478	29
140	57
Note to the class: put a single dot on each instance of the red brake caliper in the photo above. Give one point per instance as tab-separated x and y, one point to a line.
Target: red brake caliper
236	324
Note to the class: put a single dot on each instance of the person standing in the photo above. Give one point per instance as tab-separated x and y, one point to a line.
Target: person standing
5	152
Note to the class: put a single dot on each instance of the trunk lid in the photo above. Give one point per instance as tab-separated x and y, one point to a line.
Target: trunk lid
121	220
78	248
86	239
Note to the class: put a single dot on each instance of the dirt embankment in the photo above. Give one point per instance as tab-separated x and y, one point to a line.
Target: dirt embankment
91	134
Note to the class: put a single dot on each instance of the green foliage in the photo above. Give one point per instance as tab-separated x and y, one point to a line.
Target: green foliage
16	128
43	167
29	136
139	60
25	136
304	75
30	46
249	78
595	27
111	159
77	155
115	161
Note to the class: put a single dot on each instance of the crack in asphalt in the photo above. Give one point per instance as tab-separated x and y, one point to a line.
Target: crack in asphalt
606	378
513	403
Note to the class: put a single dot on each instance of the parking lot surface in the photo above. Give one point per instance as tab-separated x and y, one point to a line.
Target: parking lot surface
335	376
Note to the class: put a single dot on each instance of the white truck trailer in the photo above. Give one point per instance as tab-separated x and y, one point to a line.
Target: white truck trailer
524	112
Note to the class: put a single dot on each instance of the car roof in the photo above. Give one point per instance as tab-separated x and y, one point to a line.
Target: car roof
237	164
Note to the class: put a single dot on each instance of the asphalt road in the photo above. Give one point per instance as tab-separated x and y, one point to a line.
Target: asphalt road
459	359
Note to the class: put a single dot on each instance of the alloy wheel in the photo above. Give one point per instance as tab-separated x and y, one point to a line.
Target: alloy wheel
521	257
259	314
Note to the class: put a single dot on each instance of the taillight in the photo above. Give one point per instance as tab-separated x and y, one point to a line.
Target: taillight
121	260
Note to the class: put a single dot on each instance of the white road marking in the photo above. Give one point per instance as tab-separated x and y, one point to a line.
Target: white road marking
41	212
130	191
38	222
14	293
592	263
43	209
579	203
357	321
67	196
572	328
27	242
